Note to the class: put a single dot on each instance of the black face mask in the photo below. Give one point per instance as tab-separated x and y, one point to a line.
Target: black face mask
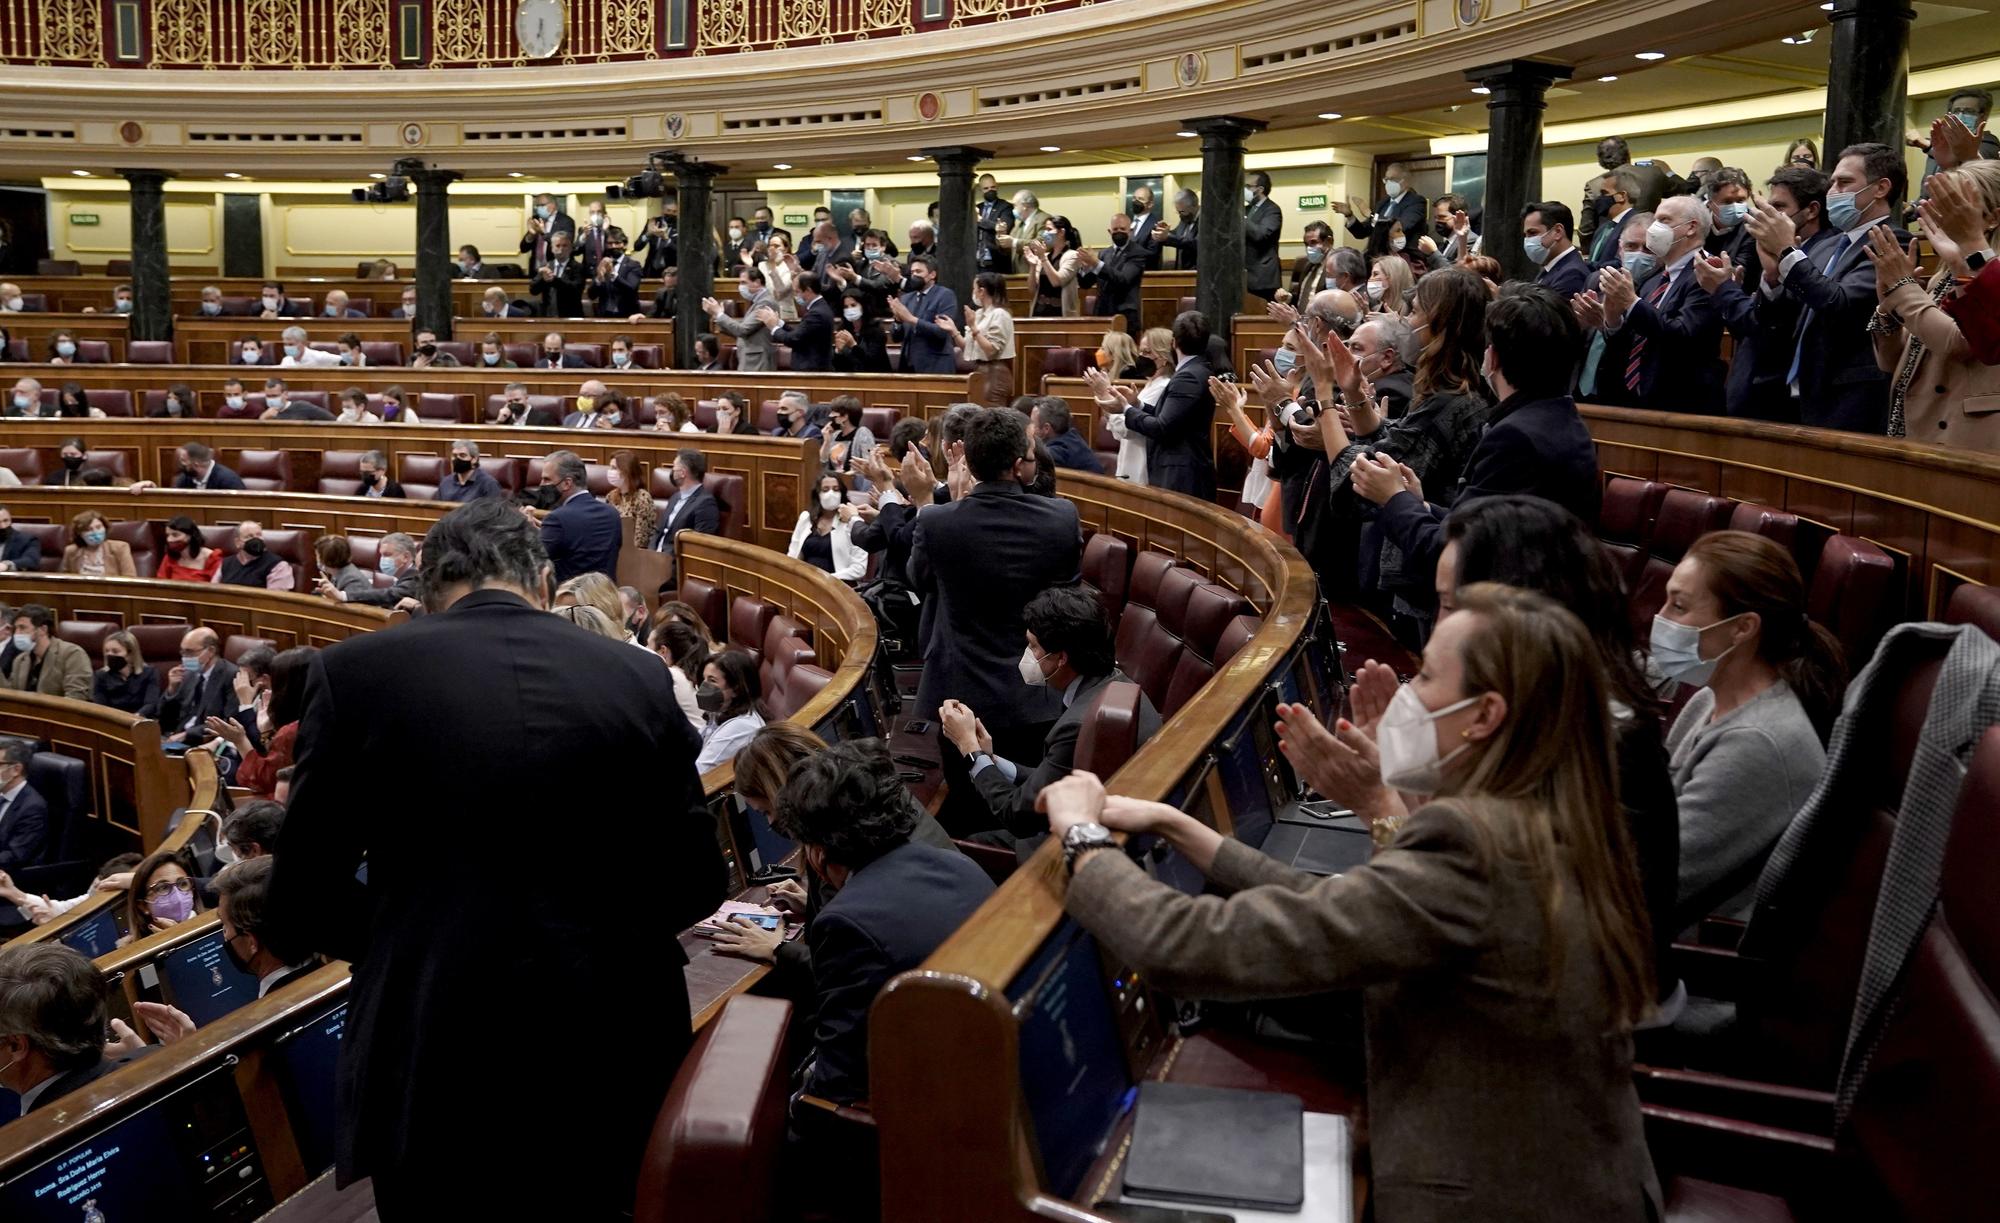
235	961
709	698
553	355
253	547
1120	239
114	663
72	461
461	466
369	477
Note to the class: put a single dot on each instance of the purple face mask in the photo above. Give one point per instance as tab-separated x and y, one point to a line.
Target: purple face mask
174	907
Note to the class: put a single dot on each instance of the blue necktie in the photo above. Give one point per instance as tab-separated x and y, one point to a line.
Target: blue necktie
1833	269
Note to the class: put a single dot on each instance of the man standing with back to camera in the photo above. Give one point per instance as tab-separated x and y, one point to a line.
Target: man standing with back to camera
475	988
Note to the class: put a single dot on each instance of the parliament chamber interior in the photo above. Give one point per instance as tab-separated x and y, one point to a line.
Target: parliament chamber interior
1177	613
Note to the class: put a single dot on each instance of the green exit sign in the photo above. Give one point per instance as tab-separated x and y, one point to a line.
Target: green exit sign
1312	201
83	218
798	218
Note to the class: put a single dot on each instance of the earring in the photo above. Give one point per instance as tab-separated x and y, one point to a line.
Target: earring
1465	734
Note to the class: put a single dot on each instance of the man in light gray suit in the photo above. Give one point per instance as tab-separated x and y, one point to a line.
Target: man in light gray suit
754	354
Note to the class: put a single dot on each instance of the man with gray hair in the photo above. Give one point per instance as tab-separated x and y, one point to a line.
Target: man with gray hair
466	481
795	416
1385	352
536	712
581	534
1027	222
53	1004
1184	236
396	556
1663	334
299	352
1049	424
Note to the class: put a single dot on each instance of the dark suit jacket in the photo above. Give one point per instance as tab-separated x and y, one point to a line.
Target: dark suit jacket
24	830
661	248
1840	385
536	246
535	707
1603	242
1568	275
220	479
1765	333
702	513
562	295
218	699
810	339
581	535
74	1080
569	361
927	348
888	919
1680	366
1185	238
24	550
976	563
1179	454
1536	447
589	245
406	586
1142	231
1072	451
1260	247
618	295
1014	802
891	534
1116	278
1412	209
1740	247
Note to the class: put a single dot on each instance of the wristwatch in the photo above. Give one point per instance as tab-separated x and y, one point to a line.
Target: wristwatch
1977	260
1081	839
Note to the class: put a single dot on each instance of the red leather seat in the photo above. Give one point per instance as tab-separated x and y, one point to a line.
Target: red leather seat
145	545
506	472
1207	613
421	475
710	602
236	645
23	461
1802	537
57	267
1235	635
1140	618
89	634
713	1155
1066	363
238	307
382	352
1156	647
748	618
520	353
1684	517
461	351
1855	592
783	647
340	472
110	402
52	536
730	492
364	550
1107	566
1625	522
1975	604
879	421
1110	733
592	355
150	352
160	644
1103	444
93	352
704	414
268	471
648	356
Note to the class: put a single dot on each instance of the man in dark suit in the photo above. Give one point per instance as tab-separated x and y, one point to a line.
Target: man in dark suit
397	556
1763	328
582	534
593	237
1664	334
659	242
20	552
198	469
556	354
24	815
989	255
201	686
54	1005
615	278
242	900
1311	270
548	220
811	338
1145	216
1049	423
692	507
1832	375
1545	234
558	283
927	347
1184	237
1644	184
1398	203
1262	220
975	563
1535	443
1601	243
1069	642
1728	202
1115	272
1179	454
537	710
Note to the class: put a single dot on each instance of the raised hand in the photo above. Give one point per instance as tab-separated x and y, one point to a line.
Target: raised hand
1374	687
1619	293
1954	219
1375	479
1953	144
710	306
1893	264
1773	230
1101	388
1086	258
1228	395
1284	312
1711	272
1271	387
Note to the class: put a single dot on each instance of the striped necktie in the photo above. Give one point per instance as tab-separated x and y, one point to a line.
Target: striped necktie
1638	353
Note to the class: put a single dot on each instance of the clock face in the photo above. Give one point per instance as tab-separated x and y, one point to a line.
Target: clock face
538	27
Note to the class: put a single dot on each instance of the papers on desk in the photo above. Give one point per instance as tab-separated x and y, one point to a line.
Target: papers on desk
715	922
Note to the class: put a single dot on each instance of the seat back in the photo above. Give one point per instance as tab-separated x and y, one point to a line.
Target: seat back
1854	593
1684	516
236	645
145	545
64	784
441	405
340	472
1932	1085
1110	732
710	602
1200	622
879	422
1625	522
382	352
730	492
713	1154
159	644
1107	565
150	352
1156	645
89	634
23	461
421	474
52	536
748	618
265	471
93	352
1066	363
1975	604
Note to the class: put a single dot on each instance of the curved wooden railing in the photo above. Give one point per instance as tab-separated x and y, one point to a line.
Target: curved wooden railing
949	1022
134	787
285	617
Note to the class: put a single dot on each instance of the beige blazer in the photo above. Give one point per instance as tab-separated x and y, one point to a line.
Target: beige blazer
65	672
117	559
1954	398
1493	1093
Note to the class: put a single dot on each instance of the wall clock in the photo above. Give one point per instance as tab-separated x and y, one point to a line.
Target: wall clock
538	27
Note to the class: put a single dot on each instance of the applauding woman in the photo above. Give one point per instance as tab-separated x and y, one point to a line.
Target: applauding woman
1498	937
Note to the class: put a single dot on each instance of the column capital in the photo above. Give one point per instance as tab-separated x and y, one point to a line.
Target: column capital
1848	10
1234	128
431	177
689	169
957	156
150	177
1518	75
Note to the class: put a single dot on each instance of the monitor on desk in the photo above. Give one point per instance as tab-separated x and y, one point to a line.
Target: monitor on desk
1074	1075
94	935
308	1057
200	980
187	1155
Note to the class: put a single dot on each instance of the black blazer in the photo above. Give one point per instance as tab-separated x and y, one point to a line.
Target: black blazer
220	479
1412	209
1116	278
661	247
23	549
618	295
891	534
702	514
927	347
74	1080
536	245
810	339
1567	276
1604	242
218	699
569	361
1680	366
134	692
1179	454
1840	386
24	830
1185	238
1536	447
1014	802
1142	231
561	296
976	563
581	535
1260	247
535	706
391	488
889	917
870	354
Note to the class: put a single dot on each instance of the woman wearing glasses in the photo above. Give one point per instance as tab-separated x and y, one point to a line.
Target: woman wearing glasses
163	894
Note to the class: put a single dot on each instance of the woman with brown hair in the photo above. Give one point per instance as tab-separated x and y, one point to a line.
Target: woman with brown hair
336	564
671	414
93	553
279	727
163	894
1748	749
632	499
1498	935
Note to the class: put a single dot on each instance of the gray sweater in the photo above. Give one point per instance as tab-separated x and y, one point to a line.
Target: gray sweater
1739	779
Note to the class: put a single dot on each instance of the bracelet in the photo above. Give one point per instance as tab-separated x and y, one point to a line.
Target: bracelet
1383	831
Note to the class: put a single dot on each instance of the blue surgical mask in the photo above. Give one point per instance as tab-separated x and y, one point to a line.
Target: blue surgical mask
1970	118
1315	254
347	358
292	351
21	402
1533	247
122	306
333	311
24	641
211	308
1639	265
544	211
65	349
1285	361
1729	216
491	358
234	401
252	356
385	564
190	662
621	359
1841	212
1677	650
93	538
1048	237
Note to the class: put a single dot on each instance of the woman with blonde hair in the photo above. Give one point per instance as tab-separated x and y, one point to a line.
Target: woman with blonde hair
584	616
1939	392
1390	284
1157	346
593	589
1118	355
1498	935
93	553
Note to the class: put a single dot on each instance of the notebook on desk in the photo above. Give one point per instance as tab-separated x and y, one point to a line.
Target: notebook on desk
1217	1146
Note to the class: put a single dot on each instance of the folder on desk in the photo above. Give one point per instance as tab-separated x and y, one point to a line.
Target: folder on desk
1217	1146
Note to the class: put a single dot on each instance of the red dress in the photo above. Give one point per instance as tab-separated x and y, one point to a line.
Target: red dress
259	770
174	570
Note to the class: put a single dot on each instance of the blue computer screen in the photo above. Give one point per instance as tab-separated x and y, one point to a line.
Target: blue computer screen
201	981
308	1059
1073	1071
94	935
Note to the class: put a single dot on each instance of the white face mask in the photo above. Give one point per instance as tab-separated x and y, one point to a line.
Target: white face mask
1677	650
852	314
1659	239
1408	743
829	500
1031	670
1397	244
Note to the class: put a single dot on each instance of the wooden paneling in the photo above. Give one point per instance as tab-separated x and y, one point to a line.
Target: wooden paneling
38	329
134	787
285	618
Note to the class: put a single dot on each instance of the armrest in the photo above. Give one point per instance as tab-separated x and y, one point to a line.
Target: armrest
1768	1159
1713	972
851	1114
1800	1110
1720	932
